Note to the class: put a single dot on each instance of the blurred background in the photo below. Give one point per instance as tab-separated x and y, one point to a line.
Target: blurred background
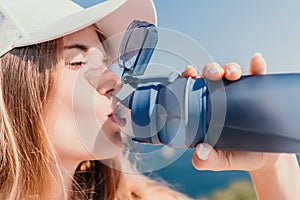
234	30
231	30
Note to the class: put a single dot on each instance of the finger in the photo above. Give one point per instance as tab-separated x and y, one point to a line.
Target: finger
233	71
258	64
213	71
206	157
190	71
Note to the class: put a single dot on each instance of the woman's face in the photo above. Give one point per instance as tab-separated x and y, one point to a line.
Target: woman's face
80	120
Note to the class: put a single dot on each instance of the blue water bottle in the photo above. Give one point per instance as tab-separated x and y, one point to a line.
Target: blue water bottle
256	113
261	113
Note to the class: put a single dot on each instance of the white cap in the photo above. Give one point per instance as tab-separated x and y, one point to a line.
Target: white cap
27	22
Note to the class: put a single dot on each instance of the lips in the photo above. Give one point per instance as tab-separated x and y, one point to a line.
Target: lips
117	119
117	115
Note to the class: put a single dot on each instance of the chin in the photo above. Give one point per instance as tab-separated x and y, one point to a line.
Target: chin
107	145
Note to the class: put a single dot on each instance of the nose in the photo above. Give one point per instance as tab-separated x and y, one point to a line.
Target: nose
109	84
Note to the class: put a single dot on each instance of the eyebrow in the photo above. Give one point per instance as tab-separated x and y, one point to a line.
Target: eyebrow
81	47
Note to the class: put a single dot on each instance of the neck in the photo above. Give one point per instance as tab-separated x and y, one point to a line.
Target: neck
67	168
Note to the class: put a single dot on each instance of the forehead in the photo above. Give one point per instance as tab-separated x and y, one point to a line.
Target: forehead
87	36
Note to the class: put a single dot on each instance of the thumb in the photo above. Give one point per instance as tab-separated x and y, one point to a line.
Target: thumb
205	157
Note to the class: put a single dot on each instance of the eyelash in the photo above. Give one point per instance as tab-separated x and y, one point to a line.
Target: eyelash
80	64
76	65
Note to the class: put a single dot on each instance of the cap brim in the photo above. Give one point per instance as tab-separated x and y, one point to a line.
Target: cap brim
112	17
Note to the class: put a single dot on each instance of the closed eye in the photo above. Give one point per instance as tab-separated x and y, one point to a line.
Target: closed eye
75	65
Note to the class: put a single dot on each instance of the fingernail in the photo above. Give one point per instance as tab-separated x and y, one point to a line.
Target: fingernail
231	69
202	151
257	54
189	66
213	70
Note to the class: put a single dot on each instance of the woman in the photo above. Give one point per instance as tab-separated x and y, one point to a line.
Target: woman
44	53
46	94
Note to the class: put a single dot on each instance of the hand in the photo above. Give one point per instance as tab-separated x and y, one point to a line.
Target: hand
265	168
207	158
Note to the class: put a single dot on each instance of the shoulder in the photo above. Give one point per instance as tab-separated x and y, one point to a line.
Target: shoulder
162	193
148	189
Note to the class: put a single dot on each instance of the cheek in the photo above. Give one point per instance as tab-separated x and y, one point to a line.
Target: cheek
65	136
81	130
66	139
88	105
97	133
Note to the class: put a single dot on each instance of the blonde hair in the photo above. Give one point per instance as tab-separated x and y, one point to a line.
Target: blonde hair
27	159
29	167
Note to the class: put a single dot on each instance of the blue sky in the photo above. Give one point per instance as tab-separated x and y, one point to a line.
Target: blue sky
234	30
